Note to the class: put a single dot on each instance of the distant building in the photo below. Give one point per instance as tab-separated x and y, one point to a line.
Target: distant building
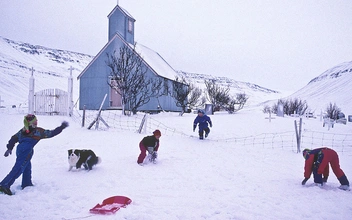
93	79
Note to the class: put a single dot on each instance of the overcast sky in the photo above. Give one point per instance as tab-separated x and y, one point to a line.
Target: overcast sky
276	44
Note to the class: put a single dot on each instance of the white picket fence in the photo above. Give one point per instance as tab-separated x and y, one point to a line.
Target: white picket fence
51	102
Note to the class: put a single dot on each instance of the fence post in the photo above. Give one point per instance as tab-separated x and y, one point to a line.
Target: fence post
96	120
31	94
142	124
70	94
84	115
298	134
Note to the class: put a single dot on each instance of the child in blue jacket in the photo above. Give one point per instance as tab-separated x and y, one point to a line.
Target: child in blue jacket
203	120
27	138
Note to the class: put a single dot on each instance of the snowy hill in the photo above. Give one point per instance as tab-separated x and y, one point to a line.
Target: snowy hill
334	85
256	93
51	71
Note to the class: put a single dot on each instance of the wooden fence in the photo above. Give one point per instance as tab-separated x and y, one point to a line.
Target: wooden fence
51	102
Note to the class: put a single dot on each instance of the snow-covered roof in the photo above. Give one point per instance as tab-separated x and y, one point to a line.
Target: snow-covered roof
152	59
156	62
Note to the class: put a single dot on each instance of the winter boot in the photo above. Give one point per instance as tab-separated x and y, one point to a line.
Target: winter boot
24	186
343	180
5	190
344	187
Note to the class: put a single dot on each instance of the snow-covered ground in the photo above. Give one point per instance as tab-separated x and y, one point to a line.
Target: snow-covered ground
224	177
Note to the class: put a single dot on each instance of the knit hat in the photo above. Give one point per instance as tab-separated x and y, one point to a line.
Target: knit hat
29	121
157	133
306	153
201	111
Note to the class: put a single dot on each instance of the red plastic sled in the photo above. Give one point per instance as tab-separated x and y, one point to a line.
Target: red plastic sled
111	205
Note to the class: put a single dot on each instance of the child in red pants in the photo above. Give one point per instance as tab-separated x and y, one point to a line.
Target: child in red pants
317	162
150	144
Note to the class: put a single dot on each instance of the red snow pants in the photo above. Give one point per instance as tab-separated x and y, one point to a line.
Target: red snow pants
143	153
330	156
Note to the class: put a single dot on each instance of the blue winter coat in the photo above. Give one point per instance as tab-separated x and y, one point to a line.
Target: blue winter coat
203	122
31	139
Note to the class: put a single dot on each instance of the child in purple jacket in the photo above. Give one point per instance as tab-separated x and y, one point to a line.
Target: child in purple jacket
27	138
202	120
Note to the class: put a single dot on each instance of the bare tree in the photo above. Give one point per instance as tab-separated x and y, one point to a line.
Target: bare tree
186	94
332	111
217	95
237	103
141	94
128	78
161	88
267	109
295	106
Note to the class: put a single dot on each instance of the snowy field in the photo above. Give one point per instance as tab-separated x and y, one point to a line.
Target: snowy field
223	177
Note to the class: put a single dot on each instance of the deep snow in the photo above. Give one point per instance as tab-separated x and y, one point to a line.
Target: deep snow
224	177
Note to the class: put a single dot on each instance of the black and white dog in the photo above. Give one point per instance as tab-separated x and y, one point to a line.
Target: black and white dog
87	158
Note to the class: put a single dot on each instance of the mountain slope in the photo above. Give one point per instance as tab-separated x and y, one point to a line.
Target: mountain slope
256	94
334	85
51	71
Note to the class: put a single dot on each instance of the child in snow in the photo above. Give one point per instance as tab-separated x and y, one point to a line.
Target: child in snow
317	161
203	120
150	144
27	138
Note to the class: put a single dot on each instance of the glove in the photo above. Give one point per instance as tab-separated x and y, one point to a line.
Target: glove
154	155
8	152
194	130
64	125
304	181
150	150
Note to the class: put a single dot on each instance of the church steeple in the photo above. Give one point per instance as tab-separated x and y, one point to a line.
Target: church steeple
122	23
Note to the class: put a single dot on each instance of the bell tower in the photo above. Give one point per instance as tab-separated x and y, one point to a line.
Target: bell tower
122	23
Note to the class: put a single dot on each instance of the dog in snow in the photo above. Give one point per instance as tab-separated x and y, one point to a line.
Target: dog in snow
87	158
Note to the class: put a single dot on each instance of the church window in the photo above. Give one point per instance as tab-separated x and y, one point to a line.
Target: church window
130	26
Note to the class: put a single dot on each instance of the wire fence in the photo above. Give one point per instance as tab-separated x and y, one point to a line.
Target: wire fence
284	140
338	142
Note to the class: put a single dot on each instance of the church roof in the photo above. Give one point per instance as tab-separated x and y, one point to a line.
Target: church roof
122	10
156	62
151	58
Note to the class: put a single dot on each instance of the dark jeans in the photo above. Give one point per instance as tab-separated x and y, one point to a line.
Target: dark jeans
201	132
22	166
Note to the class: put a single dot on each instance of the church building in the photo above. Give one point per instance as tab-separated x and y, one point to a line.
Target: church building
94	78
